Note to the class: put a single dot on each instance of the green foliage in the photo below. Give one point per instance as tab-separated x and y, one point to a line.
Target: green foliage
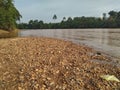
113	21
54	17
8	15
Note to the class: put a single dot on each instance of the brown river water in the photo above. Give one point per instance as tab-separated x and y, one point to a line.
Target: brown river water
104	40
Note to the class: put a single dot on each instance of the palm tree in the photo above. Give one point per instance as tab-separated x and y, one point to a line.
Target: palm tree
64	18
104	16
54	17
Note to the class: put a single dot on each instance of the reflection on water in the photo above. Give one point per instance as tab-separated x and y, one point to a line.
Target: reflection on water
107	40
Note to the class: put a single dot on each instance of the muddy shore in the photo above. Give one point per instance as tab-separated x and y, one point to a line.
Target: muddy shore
51	64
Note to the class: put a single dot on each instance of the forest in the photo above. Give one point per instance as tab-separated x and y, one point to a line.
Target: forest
112	21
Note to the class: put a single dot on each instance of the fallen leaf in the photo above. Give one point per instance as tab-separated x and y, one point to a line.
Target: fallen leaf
110	78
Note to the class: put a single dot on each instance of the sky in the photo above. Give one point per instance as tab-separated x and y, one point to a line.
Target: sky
45	9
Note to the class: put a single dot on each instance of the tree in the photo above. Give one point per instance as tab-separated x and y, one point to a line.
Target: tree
104	16
54	17
113	15
8	15
69	22
41	24
64	18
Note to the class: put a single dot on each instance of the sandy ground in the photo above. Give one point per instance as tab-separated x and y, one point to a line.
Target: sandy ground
51	64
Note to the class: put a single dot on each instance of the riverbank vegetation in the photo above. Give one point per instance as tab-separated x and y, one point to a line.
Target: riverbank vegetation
112	20
8	34
8	17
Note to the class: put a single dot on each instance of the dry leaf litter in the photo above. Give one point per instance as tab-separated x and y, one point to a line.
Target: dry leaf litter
31	63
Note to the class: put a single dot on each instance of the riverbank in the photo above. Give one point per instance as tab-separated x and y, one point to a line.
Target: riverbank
44	63
107	40
8	34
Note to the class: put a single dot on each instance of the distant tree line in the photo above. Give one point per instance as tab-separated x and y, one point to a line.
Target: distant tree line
112	21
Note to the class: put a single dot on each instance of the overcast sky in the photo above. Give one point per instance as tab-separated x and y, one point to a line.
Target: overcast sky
45	9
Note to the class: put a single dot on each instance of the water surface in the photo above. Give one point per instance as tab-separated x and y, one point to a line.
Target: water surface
105	40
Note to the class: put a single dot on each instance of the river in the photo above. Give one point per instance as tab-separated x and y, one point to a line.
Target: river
105	40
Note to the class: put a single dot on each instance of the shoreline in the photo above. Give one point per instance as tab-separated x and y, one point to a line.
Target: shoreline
8	34
105	40
114	60
47	63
